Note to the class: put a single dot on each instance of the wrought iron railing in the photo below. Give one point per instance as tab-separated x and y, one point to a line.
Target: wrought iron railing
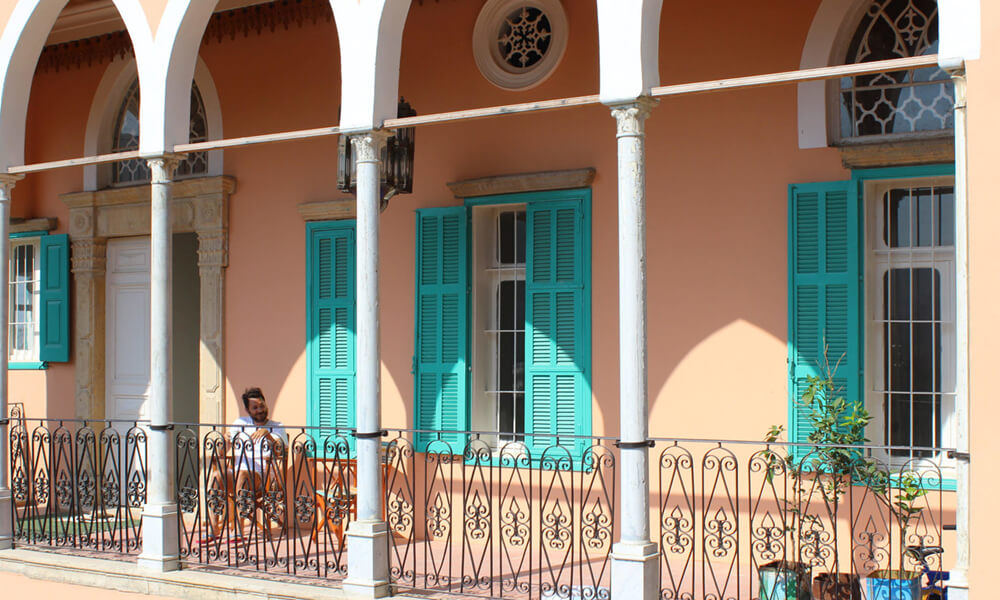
279	503
473	513
743	519
77	484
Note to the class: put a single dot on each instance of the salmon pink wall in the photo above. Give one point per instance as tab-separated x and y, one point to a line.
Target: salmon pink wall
984	289
719	166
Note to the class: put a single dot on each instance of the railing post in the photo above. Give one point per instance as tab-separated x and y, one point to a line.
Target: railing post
367	537
6	503
634	558
160	543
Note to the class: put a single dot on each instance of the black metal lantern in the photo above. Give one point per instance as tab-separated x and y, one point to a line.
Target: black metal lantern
397	161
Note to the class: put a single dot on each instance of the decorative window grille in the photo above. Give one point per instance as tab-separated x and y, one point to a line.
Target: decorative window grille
507	329
24	288
524	37
912	331
897	102
126	137
518	43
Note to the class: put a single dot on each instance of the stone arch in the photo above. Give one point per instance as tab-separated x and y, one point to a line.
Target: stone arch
114	82
371	40
629	40
832	26
22	41
165	109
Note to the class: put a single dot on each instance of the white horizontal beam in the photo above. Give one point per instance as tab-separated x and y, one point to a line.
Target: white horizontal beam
717	85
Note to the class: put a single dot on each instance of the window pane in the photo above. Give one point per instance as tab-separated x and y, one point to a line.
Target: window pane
946	220
507	238
923	217
897	218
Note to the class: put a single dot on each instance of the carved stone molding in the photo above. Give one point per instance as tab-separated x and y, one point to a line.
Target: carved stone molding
327	210
523	182
900	153
197	205
32	225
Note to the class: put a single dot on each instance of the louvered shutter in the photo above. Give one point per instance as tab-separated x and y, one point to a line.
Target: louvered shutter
330	323
441	374
557	391
54	314
825	303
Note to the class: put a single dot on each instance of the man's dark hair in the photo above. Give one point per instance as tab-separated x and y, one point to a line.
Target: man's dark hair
253	392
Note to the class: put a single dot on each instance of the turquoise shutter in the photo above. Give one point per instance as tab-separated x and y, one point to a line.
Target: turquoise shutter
557	328
824	288
330	313
54	293
440	356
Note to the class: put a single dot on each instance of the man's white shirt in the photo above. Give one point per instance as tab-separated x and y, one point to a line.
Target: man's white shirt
252	456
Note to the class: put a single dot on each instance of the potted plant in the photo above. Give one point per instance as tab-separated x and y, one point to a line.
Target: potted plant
897	584
837	424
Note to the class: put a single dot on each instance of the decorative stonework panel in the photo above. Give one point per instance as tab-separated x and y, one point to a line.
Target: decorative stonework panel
198	205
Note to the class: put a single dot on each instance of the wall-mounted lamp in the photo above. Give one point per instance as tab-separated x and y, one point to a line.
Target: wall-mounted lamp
397	161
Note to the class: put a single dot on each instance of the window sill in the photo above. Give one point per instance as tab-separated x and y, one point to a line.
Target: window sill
36	365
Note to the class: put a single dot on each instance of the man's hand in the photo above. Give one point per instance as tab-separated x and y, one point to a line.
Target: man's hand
260	433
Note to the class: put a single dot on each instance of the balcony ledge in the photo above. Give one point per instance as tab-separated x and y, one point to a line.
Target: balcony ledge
127	577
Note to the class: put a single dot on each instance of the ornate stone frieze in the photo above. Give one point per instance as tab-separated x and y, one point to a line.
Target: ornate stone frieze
89	256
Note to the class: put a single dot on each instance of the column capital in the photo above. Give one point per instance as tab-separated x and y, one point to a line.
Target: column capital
8	181
631	116
368	146
163	167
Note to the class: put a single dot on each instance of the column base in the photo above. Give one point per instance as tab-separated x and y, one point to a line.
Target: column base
6	520
635	571
958	585
367	559
160	538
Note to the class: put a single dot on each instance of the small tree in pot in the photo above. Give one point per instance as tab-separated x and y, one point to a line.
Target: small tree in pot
836	425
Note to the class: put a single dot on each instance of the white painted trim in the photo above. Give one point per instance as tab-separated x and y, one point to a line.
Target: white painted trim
371	37
629	39
486	51
959	31
831	26
103	110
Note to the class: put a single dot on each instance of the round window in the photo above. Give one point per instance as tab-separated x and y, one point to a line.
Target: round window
518	43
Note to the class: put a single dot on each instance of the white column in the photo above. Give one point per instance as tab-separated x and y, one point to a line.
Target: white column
367	537
6	520
635	561
160	544
958	583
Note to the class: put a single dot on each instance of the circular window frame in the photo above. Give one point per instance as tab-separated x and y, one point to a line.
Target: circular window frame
486	51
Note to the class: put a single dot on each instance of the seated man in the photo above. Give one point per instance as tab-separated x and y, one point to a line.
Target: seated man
255	449
255	436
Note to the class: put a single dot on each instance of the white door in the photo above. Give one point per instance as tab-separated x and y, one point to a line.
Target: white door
127	330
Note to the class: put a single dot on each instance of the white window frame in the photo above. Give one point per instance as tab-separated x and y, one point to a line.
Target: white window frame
31	354
487	274
878	261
